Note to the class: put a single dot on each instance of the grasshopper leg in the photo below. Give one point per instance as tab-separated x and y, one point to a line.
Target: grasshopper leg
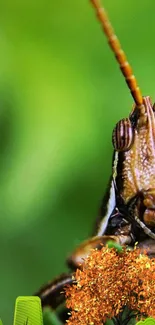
149	245
51	294
76	259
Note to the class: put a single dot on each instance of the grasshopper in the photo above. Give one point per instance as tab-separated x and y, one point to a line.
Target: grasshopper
127	213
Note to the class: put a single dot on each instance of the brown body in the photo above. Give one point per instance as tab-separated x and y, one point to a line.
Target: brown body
136	166
138	170
127	214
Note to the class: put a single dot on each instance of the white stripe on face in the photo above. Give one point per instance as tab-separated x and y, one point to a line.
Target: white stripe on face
111	204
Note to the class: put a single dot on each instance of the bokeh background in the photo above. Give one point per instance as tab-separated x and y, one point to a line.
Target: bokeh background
61	93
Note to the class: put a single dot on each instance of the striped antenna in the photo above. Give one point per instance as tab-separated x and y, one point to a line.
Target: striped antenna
119	53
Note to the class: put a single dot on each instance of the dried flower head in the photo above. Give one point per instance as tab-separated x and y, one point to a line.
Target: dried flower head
107	282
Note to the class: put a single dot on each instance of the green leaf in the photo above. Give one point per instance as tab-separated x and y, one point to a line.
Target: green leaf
147	321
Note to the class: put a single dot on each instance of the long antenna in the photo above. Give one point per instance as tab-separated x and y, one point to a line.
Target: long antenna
119	54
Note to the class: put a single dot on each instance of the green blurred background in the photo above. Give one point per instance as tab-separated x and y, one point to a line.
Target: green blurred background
61	93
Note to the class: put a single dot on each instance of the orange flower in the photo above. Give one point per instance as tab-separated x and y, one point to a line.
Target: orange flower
107	282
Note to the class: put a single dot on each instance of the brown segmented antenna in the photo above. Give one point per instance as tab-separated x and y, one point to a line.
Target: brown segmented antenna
120	55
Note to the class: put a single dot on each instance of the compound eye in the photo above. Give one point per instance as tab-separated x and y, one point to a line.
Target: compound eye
122	137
